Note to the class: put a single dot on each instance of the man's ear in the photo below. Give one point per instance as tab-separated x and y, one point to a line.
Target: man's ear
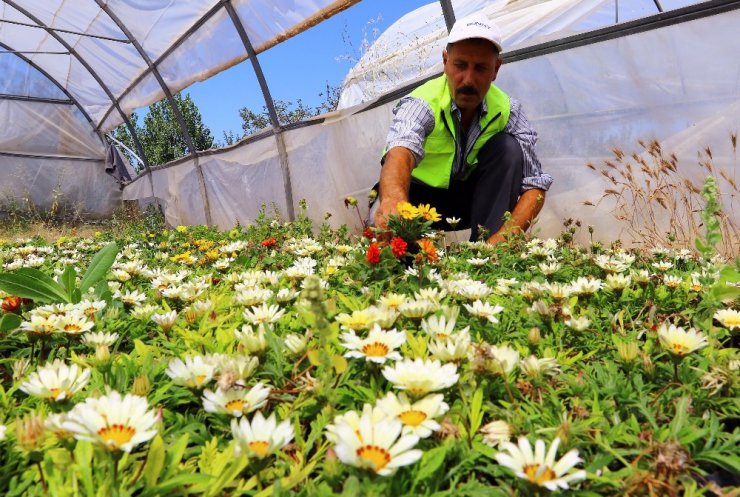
497	65
444	56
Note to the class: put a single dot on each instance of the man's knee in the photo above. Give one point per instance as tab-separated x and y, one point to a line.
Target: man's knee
503	148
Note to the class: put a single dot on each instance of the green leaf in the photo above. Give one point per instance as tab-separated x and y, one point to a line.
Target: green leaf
154	462
430	462
32	284
68	280
99	265
476	412
9	322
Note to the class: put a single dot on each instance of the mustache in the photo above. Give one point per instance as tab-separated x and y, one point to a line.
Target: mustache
467	90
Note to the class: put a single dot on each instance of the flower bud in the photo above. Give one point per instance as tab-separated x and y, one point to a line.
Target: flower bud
29	432
627	351
141	385
534	336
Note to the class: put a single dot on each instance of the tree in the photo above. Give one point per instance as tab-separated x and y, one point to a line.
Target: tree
289	112
161	136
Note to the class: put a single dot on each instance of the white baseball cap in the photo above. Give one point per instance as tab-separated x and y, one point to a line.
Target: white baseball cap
476	26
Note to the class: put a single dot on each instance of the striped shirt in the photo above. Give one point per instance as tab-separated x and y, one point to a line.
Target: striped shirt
414	121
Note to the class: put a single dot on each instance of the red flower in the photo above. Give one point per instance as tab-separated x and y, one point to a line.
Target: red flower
368	233
373	253
11	304
399	246
268	242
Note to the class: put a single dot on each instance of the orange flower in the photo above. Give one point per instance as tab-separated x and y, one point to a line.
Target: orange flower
399	246
428	249
268	242
11	304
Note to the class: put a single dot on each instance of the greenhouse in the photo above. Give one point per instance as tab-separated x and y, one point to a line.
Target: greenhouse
248	331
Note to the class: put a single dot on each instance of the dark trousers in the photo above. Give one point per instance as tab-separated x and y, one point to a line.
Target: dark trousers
491	190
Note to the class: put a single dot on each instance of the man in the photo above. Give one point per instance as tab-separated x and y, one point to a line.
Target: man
460	144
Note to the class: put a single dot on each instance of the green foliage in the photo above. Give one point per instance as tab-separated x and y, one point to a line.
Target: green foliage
712	227
160	133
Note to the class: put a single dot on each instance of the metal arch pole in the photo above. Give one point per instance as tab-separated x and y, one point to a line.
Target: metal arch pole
58	85
178	115
282	152
448	12
164	55
657	4
92	72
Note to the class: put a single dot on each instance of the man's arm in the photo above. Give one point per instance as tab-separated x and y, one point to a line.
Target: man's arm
395	181
525	210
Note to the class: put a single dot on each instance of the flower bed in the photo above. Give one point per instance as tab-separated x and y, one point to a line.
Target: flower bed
265	361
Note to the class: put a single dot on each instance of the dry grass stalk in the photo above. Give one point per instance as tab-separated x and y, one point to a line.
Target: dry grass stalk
662	205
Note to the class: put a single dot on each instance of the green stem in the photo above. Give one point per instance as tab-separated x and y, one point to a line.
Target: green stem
41	476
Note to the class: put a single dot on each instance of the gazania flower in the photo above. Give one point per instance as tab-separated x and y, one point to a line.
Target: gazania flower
263	314
56	381
165	321
427	249
406	210
353	419
193	372
586	286
373	253
496	432
419	377
3	429
417	417
73	323
261	437
729	318
378	347
438	327
114	422
254	341
672	281
539	368
131	298
236	401
417	309
538	467
358	320
296	343
580	323
11	304
428	213
484	310
453	349
504	359
54	423
398	246
376	445
392	300
680	342
617	282
100	338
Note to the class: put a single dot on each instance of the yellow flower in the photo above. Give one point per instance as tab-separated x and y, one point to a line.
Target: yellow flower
406	210
212	255
181	229
429	213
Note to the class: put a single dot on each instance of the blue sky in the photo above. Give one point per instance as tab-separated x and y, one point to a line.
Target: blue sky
297	68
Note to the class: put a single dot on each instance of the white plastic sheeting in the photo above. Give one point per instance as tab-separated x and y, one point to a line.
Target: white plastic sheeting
583	101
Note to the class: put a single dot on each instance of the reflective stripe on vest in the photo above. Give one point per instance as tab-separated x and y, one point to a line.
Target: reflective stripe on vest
440	146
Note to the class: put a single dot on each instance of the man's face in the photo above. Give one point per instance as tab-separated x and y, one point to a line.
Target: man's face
470	66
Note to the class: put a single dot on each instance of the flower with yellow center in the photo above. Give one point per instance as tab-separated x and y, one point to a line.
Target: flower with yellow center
263	314
56	381
680	342
358	320
193	372
407	211
484	310
417	417
729	318
353	419
378	347
376	445
261	437
114	422
496	432
540	468
236	401
428	212
419	377
454	348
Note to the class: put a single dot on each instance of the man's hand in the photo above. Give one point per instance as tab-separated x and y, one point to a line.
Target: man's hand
395	181
525	210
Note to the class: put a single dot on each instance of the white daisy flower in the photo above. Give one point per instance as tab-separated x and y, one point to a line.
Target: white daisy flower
617	282
379	346
54	423
484	310
580	323
417	309
729	318
73	323
352	418
254	341
144	312
586	286
56	381
376	445
419	377
263	314
439	327
359	320
417	417
130	298
672	281
453	349
538	467
261	437
193	372
539	368
3	429
504	358
680	342
496	432
236	401
252	296
115	422
477	261
165	321
99	338
296	343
